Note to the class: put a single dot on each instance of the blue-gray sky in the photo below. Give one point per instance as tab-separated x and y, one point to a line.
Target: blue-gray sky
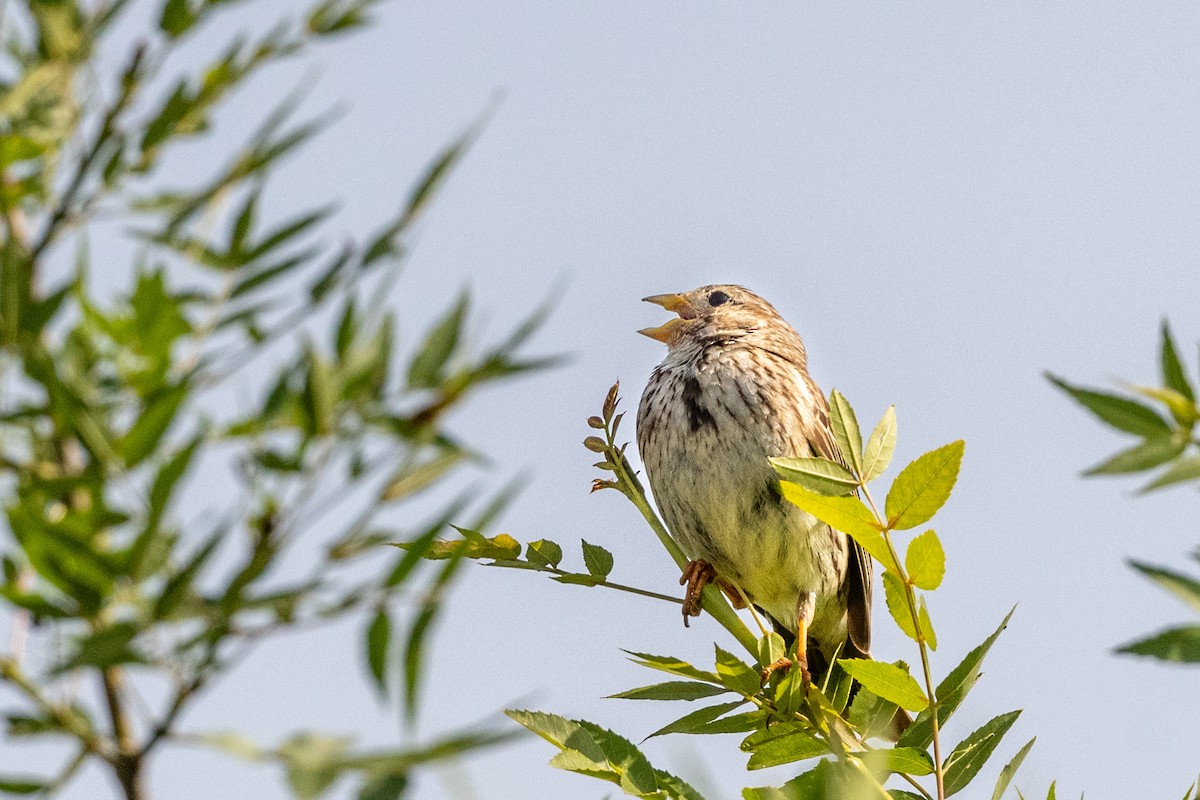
944	199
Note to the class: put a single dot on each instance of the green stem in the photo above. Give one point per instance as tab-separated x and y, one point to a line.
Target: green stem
911	600
592	581
711	600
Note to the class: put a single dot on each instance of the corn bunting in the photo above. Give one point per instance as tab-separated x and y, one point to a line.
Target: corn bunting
734	390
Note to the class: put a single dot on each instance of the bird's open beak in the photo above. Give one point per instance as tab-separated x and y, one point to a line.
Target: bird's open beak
671	302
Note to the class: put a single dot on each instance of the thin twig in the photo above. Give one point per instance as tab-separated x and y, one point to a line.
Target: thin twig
910	597
129	85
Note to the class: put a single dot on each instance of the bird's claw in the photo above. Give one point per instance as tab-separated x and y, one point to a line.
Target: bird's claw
783	665
695	576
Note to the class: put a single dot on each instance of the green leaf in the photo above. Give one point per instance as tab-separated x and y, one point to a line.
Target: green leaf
1182	586
846	514
1010	770
888	681
897	604
21	786
544	552
736	674
698	719
106	647
1182	409
599	562
845	430
1185	469
880	446
1119	412
771	648
818	475
925	561
321	393
1181	645
143	436
671	690
415	476
425	370
176	588
234	743
969	755
1147	455
905	760
795	745
1173	374
952	690
923	487
378	643
674	666
925	625
312	763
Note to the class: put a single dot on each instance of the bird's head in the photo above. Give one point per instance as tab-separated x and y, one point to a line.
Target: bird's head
711	312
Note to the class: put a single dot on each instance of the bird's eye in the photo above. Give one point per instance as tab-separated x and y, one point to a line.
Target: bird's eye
718	298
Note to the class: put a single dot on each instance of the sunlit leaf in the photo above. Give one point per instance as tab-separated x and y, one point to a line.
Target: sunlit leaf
888	681
923	486
880	446
925	561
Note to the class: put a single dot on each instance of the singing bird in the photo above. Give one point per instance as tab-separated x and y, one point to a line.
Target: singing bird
734	390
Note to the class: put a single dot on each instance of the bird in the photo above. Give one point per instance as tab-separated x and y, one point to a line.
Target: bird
733	391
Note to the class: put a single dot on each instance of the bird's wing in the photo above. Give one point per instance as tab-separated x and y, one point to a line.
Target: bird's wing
858	570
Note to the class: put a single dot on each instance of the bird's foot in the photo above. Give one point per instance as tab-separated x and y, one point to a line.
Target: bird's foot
783	665
736	599
695	575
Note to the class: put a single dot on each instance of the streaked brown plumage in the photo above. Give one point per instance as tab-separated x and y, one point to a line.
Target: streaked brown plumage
734	390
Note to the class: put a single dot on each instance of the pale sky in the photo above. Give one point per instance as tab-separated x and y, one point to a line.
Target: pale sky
944	200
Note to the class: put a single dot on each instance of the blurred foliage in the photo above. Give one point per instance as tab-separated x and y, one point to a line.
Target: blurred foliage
1163	418
842	723
111	402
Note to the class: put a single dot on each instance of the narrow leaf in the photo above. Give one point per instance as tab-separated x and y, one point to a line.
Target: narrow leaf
1185	469
1119	412
969	755
671	690
378	642
1010	770
690	723
845	430
1180	645
1173	374
1182	586
1146	455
